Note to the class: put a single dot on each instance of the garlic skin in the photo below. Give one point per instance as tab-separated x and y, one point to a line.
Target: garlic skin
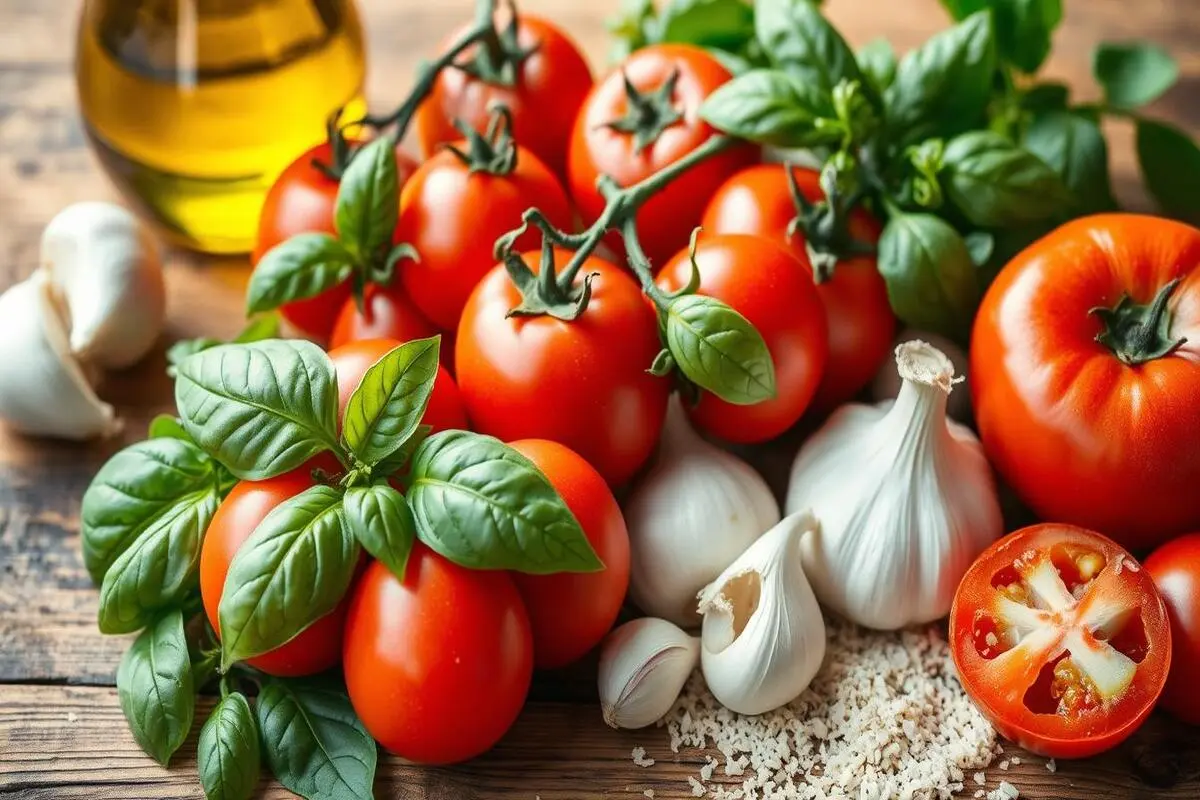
643	667
886	384
108	270
693	513
763	637
904	497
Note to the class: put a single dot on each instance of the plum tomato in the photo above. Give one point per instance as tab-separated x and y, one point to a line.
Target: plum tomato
1175	569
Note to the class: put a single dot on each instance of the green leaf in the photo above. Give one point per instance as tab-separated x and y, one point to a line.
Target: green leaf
995	183
877	61
264	326
797	38
292	570
134	491
368	201
155	689
167	426
185	348
483	505
313	741
1074	147
1170	164
300	267
718	349
981	245
379	517
1133	74
390	400
961	9
943	87
721	24
227	754
261	409
930	277
1048	96
771	107
1023	27
634	27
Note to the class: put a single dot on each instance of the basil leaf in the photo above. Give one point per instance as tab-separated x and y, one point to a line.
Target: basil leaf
155	689
1049	96
262	408
795	36
390	400
1170	164
379	517
166	426
1074	148
132	491
314	742
292	570
877	62
771	107
483	505
227	753
185	348
301	267
634	27
719	350
264	326
943	87
981	245
995	183
720	24
368	200
1133	74
1023	27
930	277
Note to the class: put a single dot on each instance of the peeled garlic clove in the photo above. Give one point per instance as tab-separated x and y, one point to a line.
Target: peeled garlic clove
107	269
763	637
43	390
643	667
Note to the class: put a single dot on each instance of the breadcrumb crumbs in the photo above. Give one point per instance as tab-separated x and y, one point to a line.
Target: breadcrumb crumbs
1004	764
979	793
639	758
980	779
697	787
1016	761
649	793
1005	791
1052	765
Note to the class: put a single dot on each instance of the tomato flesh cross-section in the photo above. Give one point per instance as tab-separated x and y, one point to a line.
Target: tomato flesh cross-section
1060	639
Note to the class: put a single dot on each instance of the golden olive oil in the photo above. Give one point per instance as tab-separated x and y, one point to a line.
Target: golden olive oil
194	106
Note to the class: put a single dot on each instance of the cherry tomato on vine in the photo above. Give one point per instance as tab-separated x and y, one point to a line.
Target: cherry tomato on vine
1085	369
387	313
551	78
581	383
667	128
570	612
767	284
861	323
1175	569
437	665
1061	640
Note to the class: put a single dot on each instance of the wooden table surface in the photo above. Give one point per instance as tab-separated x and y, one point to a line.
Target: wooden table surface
61	731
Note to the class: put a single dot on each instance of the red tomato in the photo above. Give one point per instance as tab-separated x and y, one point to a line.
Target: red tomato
860	319
445	410
300	200
571	611
437	665
665	222
582	383
1061	640
1082	436
315	649
769	286
387	314
549	88
1175	569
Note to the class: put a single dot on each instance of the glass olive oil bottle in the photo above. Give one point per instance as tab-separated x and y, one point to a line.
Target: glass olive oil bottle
194	106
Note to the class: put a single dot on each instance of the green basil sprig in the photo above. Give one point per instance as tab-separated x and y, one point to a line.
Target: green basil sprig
386	408
724	27
379	517
931	278
155	687
718	349
227	754
996	183
798	39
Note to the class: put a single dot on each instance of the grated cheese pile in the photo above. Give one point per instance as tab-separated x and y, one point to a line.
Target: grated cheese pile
885	717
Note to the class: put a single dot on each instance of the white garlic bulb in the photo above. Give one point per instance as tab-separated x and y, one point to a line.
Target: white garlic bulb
887	382
763	637
904	499
692	514
643	667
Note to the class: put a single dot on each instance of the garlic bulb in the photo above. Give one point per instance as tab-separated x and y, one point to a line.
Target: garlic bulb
904	499
692	514
887	382
643	667
763	636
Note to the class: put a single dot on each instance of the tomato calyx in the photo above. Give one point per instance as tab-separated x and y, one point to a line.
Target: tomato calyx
499	57
1137	333
493	152
341	151
826	224
546	293
647	114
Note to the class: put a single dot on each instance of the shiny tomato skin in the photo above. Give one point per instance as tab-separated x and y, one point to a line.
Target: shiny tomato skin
387	313
1175	568
582	383
453	216
437	665
769	286
999	686
301	200
544	99
351	361
570	612
1080	436
666	221
857	312
319	646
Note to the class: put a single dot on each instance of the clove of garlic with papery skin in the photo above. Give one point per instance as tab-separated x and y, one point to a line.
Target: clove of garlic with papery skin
694	512
643	667
904	498
763	637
